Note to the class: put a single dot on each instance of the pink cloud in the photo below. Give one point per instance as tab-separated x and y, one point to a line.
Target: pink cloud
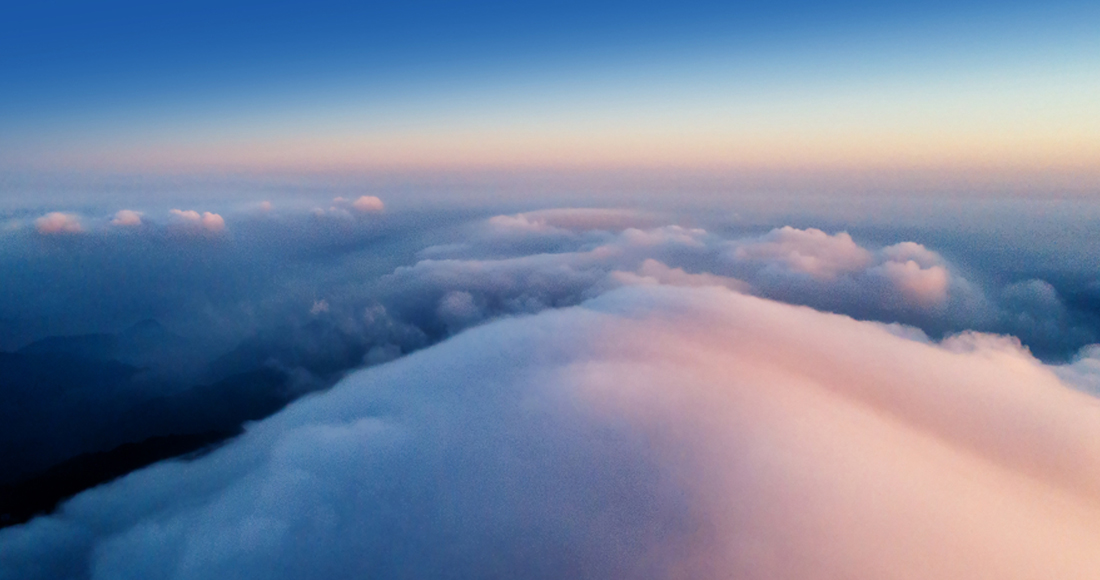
58	223
810	251
208	221
126	217
368	203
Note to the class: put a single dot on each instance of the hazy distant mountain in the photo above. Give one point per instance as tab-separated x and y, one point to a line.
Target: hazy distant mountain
147	345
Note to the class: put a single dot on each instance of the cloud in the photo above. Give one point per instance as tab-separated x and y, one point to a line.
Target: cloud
832	271
654	272
247	299
127	218
208	221
533	282
367	204
510	260
57	222
212	222
917	285
574	220
652	432
809	251
1084	371
188	215
362	204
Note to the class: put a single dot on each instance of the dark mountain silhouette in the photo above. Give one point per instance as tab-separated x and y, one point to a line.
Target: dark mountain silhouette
42	493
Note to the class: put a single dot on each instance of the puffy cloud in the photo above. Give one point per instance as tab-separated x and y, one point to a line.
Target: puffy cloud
653	432
533	282
212	222
367	203
905	252
57	222
919	274
808	265
208	221
810	251
918	285
127	218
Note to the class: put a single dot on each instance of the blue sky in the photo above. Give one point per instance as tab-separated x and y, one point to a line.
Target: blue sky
192	86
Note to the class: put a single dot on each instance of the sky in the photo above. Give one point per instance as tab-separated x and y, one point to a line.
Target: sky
573	290
423	86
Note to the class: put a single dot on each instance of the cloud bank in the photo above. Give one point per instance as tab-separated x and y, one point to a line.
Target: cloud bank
654	432
212	330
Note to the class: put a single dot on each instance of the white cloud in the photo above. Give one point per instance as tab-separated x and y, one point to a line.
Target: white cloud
127	218
654	432
57	222
208	221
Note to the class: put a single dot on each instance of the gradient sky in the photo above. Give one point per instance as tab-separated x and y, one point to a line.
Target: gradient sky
201	86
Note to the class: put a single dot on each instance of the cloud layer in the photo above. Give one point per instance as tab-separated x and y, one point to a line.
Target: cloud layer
652	432
291	301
